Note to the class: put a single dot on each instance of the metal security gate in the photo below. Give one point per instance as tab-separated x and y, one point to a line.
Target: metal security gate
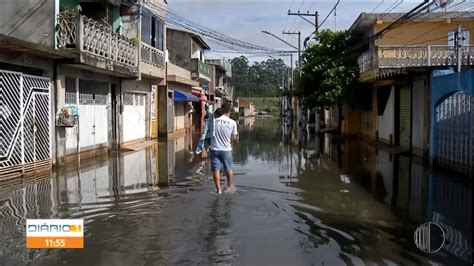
404	127
25	127
134	116
455	131
93	114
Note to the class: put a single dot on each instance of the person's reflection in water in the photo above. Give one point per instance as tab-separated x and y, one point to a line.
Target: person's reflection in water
219	242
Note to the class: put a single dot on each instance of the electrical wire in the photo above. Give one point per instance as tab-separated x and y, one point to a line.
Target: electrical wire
388	9
175	19
302	3
373	10
311	6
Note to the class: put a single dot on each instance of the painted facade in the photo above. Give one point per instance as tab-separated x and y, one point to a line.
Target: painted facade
107	87
398	72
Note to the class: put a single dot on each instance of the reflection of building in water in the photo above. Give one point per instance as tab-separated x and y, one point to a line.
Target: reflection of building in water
21	199
450	205
396	180
96	180
183	148
247	122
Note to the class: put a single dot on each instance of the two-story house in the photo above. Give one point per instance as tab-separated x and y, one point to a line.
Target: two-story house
397	72
27	70
97	63
221	71
188	78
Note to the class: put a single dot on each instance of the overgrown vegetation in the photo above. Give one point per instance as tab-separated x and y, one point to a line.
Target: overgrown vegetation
329	71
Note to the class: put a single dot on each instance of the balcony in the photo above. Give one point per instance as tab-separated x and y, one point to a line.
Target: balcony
201	71
395	58
96	44
152	61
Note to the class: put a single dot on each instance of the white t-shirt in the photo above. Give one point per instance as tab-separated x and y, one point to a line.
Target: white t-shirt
224	127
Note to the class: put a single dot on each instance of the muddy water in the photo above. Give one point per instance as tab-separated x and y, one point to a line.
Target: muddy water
301	200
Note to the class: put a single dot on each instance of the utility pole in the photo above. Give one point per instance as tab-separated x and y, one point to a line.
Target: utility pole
291	71
303	15
299	43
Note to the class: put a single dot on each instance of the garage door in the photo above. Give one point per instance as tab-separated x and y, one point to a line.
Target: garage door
404	130
93	113
134	126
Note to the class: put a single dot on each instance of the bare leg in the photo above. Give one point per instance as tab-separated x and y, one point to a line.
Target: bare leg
217	181
230	178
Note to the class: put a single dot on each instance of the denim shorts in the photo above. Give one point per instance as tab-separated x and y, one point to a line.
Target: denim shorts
218	157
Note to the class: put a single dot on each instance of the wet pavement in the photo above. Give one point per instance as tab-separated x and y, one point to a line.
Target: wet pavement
300	200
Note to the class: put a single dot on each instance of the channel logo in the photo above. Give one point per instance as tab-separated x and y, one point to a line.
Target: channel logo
54	233
429	237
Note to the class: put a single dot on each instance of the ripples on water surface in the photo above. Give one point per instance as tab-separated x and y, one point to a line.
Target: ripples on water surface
300	201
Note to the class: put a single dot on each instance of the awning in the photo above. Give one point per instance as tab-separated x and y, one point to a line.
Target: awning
180	96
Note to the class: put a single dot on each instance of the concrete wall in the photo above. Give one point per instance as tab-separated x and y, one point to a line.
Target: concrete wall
163	110
130	26
179	48
178	71
26	63
29	20
351	120
385	122
179	115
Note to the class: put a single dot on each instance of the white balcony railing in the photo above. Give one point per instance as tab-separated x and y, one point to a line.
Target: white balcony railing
152	56
412	56
90	36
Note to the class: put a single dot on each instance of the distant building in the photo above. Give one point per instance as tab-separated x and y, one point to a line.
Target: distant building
246	108
221	71
188	79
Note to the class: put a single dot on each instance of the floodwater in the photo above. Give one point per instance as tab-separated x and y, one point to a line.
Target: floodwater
300	200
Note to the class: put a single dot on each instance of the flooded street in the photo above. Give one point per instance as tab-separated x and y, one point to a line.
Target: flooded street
300	200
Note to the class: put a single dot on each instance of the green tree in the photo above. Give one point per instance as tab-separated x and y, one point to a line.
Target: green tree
240	75
261	79
329	71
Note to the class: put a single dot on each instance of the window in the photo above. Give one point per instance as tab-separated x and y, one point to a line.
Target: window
146	29
152	31
159	33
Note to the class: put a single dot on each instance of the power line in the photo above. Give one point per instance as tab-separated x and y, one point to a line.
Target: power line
389	8
311	6
397	5
330	12
322	23
175	19
302	3
373	10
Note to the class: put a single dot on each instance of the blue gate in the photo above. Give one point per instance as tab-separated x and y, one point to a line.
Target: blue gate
452	134
454	125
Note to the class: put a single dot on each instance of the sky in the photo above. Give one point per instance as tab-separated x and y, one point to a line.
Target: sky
245	19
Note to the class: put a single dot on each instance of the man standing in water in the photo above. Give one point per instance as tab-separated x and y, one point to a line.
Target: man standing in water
225	131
